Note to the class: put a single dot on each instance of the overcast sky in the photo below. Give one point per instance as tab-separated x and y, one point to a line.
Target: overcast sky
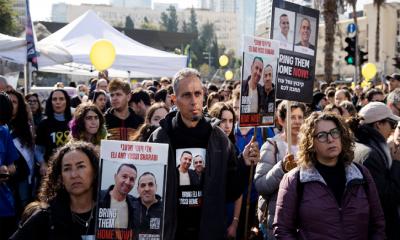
41	9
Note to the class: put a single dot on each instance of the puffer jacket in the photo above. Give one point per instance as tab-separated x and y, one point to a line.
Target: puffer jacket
317	214
269	174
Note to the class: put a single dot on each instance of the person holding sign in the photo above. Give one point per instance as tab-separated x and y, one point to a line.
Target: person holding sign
251	89
275	162
198	214
118	200
148	208
67	197
305	33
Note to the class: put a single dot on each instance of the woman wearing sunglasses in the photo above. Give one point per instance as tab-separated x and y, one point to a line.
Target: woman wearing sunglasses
327	196
372	130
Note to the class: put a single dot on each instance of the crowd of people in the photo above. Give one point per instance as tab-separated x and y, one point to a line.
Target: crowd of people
335	176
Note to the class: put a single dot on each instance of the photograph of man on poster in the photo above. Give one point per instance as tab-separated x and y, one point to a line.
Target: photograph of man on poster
305	37
148	208
283	28
198	165
117	196
187	176
251	88
268	103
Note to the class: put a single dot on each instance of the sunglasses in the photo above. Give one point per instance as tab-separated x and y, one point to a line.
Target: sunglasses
393	124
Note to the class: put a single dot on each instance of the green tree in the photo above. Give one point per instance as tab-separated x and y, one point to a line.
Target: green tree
148	25
377	4
330	15
193	22
185	28
169	21
129	23
8	21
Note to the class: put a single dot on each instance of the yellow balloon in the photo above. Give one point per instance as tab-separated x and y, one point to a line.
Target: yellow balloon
369	71
102	54
223	60
365	84
228	75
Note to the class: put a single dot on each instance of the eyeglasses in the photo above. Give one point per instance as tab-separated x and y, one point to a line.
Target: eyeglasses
322	137
393	124
33	101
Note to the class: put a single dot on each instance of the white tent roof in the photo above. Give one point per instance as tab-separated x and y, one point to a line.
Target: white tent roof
14	50
79	35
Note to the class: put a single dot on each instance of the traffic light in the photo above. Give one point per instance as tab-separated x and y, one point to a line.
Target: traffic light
351	50
396	62
363	57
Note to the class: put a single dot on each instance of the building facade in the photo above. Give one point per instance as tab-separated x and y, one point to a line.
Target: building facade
225	23
389	41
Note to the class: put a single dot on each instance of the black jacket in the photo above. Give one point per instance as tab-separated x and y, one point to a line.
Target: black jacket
148	220
223	181
105	202
372	151
52	223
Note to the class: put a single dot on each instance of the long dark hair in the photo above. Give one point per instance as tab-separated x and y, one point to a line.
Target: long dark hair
51	185
6	108
20	123
77	124
49	105
35	95
216	111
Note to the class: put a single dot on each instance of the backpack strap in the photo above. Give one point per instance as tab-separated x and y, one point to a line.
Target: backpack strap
299	190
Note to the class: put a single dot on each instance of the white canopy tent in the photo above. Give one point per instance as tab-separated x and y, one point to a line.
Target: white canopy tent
79	35
14	50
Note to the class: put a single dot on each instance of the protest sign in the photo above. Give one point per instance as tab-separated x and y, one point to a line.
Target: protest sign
131	189
257	96
296	27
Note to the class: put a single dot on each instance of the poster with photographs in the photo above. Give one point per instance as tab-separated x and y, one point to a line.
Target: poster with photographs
131	188
190	164
257	95
296	28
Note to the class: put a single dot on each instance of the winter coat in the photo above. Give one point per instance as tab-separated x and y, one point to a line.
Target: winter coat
51	223
373	152
223	181
314	210
269	173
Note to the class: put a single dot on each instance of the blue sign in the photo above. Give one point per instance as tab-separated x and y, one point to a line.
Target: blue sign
351	28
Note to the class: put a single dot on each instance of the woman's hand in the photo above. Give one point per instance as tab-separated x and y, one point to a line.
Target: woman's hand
251	153
288	163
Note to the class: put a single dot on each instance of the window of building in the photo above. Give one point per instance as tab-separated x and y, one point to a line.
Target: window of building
398	13
398	29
